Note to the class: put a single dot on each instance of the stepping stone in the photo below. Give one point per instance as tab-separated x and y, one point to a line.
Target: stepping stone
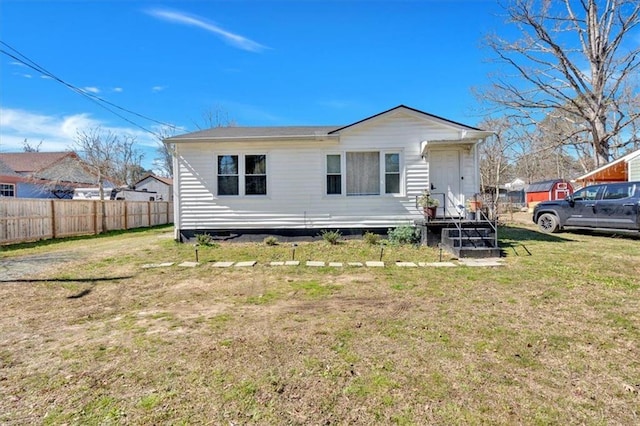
359	264
335	264
314	263
246	264
481	262
276	264
437	264
189	264
406	264
158	265
292	263
222	264
374	264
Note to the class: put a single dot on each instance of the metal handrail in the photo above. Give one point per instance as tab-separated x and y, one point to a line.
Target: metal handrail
458	221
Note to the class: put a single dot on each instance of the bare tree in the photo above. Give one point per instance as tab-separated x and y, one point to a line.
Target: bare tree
163	163
110	157
495	157
27	147
216	116
572	56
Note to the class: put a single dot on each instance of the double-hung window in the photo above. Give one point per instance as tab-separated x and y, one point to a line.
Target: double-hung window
228	175
255	179
242	174
334	174
364	173
392	173
7	190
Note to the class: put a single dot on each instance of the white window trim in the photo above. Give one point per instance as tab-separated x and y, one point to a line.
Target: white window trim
242	174
382	172
13	185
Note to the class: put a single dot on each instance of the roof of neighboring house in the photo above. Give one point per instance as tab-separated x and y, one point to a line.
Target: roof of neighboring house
616	170
165	180
63	167
5	170
542	186
26	162
303	132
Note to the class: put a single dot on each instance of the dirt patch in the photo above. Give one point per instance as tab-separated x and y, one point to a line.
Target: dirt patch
12	269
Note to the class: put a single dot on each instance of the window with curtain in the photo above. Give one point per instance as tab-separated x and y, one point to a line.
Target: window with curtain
334	174
255	179
363	173
228	176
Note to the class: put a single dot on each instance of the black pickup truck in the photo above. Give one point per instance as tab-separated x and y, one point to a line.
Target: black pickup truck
607	207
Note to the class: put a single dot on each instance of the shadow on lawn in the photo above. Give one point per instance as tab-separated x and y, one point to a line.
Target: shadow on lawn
65	280
513	238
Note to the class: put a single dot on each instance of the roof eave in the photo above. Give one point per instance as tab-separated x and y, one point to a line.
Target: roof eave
321	137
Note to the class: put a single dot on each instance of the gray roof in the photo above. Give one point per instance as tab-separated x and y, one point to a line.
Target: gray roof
542	186
238	132
300	132
6	170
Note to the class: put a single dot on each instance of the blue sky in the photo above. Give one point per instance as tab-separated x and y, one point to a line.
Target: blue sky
263	62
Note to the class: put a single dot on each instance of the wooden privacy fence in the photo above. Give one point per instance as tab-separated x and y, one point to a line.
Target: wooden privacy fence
35	219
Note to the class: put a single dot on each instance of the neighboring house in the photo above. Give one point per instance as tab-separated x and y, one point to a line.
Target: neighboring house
161	185
555	189
43	174
624	169
302	180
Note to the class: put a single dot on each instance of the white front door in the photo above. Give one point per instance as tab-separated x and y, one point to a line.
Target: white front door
444	179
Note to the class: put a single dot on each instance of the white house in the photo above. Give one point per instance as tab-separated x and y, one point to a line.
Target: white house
162	186
301	180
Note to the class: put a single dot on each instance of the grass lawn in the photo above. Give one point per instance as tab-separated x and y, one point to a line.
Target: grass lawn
549	338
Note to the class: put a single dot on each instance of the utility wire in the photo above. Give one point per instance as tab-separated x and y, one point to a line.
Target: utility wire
23	59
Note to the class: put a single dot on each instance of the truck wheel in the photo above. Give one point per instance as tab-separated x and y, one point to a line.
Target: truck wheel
548	223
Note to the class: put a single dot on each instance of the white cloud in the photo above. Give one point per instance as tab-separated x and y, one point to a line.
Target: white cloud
118	89
23	75
58	133
91	89
156	89
235	40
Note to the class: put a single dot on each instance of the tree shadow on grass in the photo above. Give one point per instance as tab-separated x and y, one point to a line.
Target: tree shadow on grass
513	238
66	280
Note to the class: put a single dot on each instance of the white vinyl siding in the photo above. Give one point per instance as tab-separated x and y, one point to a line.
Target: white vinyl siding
634	169
297	179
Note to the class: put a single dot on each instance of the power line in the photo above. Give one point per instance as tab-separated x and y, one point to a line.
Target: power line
23	59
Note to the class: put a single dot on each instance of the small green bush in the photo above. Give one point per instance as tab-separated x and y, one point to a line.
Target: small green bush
371	238
405	234
332	237
204	240
270	240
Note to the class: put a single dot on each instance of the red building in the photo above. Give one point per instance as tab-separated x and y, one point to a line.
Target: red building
547	190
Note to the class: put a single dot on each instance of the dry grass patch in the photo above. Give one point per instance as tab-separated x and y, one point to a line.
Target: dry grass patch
545	339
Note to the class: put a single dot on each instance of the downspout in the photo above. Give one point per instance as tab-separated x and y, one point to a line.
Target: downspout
176	193
476	160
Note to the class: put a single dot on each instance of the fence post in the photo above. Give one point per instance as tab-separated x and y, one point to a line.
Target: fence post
126	216
53	218
149	214
95	218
